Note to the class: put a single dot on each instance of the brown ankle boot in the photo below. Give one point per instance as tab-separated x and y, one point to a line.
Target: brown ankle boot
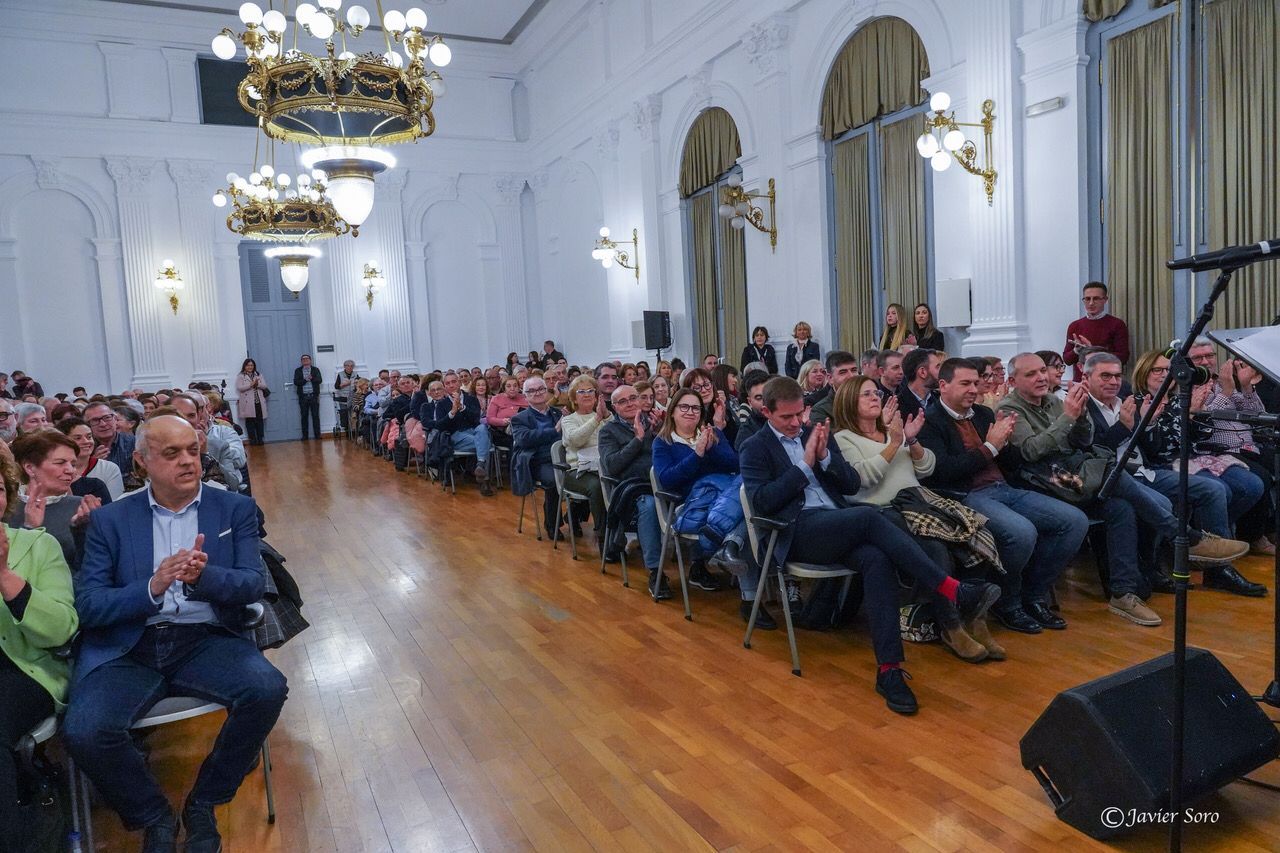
981	633
965	647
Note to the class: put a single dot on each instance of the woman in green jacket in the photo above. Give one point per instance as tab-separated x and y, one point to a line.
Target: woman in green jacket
38	614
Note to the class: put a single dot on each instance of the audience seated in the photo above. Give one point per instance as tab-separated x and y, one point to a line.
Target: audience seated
581	436
750	413
32	417
868	364
95	476
919	385
885	451
167	574
694	459
113	445
533	431
626	453
38	615
47	460
841	367
792	476
8	421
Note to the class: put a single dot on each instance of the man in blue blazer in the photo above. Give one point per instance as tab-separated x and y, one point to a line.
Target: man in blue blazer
161	595
792	476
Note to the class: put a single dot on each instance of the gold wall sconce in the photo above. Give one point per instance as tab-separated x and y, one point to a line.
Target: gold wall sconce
169	280
609	252
736	205
943	140
372	281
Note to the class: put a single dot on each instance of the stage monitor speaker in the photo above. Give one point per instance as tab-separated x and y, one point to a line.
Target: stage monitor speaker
1106	745
657	330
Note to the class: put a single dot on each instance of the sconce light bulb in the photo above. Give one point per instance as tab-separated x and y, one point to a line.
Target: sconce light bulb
940	161
940	102
604	231
927	145
953	140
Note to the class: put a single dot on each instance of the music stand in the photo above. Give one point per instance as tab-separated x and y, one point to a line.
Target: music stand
1260	347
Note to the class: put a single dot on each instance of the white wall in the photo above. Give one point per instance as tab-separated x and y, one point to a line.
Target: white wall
485	240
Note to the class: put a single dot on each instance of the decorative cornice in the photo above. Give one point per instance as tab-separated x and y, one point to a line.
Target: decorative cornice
765	43
540	180
131	174
701	82
645	114
192	176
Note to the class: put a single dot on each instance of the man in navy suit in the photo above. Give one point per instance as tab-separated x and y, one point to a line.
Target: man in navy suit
161	594
791	476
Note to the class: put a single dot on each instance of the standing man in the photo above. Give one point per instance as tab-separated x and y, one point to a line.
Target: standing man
161	595
342	388
1096	328
550	355
306	379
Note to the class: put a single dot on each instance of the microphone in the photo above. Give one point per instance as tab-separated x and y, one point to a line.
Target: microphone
1232	256
1259	418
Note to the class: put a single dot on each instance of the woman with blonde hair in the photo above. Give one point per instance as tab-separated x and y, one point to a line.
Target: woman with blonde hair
897	329
581	431
802	349
890	460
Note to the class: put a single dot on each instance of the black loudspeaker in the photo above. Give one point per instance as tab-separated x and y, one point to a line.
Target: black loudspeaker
657	330
1102	749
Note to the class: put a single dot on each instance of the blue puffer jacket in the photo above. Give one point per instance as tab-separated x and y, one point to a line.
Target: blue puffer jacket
709	485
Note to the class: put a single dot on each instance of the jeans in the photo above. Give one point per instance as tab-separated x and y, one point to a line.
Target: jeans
474	440
1036	536
180	660
1208	496
649	531
860	537
1246	490
1130	503
25	705
309	409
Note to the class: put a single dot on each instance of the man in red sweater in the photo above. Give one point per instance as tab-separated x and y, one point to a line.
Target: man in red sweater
1096	328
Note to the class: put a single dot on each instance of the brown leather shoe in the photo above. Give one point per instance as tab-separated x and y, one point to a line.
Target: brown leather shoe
979	630
965	647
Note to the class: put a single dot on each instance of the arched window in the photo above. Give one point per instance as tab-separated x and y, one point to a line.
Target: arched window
1183	156
716	258
879	190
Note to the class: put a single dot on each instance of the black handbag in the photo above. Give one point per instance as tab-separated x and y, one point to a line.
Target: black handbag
1073	477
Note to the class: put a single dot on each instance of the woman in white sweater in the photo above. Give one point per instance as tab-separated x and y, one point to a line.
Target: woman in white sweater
884	450
581	436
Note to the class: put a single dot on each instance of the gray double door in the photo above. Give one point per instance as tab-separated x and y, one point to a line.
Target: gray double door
278	331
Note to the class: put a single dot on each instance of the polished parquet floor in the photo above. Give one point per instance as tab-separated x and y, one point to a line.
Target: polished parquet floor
464	687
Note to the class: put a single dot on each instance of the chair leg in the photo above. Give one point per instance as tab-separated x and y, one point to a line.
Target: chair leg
626	581
684	580
266	776
520	521
573	539
73	788
537	515
662	561
86	808
791	631
764	576
555	537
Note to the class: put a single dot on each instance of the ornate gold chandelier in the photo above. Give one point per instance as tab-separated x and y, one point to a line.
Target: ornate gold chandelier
336	96
269	205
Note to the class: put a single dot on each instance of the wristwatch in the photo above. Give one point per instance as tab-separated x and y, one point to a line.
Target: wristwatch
915	439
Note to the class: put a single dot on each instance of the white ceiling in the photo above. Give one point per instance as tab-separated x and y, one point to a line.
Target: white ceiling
494	21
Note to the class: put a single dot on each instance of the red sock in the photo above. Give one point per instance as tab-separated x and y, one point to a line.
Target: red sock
885	667
948	588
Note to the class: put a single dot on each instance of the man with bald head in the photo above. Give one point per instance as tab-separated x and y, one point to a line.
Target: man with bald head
161	594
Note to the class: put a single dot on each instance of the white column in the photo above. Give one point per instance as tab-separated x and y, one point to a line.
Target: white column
346	257
999	302
550	265
396	312
515	296
201	312
487	321
13	348
646	115
132	176
115	311
415	255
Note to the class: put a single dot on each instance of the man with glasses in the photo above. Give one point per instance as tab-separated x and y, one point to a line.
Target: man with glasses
626	454
8	423
533	431
1096	328
112	445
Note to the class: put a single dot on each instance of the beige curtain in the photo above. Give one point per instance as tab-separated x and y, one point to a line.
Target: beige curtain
1241	169
733	286
1098	10
854	287
877	72
710	149
703	221
1139	187
902	214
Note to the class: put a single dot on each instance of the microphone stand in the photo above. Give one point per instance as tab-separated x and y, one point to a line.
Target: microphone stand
1183	372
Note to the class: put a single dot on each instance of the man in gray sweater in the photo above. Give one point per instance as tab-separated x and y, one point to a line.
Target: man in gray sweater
626	453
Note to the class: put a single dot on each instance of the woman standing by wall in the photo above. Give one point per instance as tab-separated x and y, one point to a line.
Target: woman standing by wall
252	405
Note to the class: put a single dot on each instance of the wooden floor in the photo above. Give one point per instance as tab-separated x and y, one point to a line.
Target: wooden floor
463	687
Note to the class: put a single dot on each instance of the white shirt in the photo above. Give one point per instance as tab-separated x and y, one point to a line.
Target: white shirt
1111	413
